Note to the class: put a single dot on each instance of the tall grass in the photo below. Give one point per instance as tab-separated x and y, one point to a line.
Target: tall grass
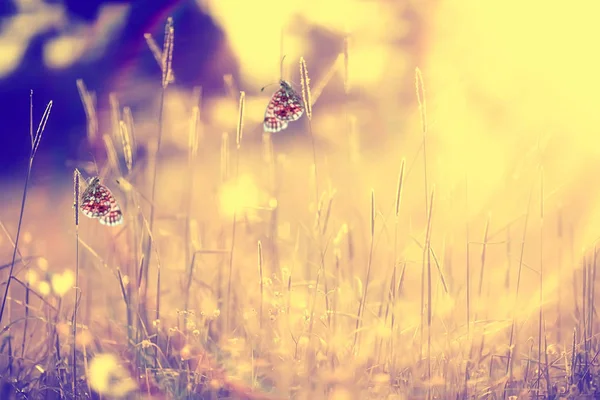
35	142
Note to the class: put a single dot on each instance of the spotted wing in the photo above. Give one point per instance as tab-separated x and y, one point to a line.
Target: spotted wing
114	216
287	105
271	122
97	201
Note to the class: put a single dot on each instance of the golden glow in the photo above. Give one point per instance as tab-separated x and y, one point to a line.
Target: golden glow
32	277
62	283
254	31
501	81
63	51
44	288
341	393
238	196
108	377
499	190
209	307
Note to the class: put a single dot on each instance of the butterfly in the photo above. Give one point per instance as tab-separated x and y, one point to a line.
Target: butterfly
285	106
98	202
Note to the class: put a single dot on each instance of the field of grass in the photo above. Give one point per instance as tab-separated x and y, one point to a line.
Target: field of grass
258	266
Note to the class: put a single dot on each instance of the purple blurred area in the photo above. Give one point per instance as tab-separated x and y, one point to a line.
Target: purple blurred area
122	62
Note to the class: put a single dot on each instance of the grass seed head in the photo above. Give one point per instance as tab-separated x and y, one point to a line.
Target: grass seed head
305	83
76	192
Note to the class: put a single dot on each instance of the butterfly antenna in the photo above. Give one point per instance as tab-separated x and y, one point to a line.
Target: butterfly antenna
264	87
280	74
281	67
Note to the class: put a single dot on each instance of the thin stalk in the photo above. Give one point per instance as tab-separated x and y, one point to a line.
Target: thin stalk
483	254
592	296
480	287
468	263
559	289
166	61
224	160
393	292
427	256
231	251
541	312
25	324
145	269
307	98
521	256
192	155
76	189
363	300
260	274
34	146
420	90
321	273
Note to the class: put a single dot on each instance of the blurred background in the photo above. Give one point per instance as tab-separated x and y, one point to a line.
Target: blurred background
47	45
511	112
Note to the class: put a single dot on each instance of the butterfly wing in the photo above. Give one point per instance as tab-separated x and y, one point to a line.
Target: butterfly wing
114	216
285	105
289	106
96	201
271	122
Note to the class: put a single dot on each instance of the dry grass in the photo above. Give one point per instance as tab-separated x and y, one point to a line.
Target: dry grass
247	287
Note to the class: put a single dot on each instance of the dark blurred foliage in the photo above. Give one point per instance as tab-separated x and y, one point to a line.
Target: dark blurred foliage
126	59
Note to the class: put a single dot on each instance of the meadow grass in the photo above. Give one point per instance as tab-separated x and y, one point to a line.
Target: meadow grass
322	312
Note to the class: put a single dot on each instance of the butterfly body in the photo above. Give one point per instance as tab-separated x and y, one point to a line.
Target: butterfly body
97	201
285	106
